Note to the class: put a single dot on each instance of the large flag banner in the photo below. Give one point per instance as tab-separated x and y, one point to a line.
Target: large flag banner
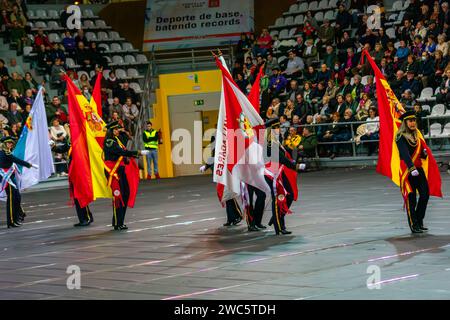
33	145
238	156
87	128
389	164
176	24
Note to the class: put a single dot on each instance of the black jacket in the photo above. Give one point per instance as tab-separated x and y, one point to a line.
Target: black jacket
406	151
7	160
113	151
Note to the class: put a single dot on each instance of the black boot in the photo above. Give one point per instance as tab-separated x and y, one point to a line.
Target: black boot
123	227
236	221
252	228
260	226
416	229
81	224
422	227
227	224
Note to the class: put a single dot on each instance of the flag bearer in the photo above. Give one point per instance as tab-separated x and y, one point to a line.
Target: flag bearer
122	176
414	180
9	181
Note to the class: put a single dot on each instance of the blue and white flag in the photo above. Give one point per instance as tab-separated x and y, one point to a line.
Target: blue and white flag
33	146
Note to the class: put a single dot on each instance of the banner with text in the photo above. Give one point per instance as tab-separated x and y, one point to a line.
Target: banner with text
175	24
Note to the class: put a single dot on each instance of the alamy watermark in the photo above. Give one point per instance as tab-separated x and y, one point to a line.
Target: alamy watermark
74	279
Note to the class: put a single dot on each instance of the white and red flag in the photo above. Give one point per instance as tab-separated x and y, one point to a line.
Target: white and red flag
238	155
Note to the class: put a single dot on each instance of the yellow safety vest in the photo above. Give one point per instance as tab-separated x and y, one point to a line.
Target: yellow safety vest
151	144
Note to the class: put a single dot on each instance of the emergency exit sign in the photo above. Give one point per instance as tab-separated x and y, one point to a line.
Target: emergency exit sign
199	102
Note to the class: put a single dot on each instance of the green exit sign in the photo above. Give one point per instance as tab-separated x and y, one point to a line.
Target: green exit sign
199	102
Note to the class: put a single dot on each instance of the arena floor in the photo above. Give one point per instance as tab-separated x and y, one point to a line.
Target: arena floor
347	222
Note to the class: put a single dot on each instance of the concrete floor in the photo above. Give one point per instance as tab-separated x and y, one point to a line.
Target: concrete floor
346	223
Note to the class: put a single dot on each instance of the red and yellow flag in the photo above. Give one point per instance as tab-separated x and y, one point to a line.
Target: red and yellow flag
389	164
87	128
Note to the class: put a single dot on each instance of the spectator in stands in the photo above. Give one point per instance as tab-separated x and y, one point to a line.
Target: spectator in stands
368	38
341	105
55	110
324	73
405	32
242	83
307	90
431	44
420	30
440	63
86	93
425	70
18	15
57	131
310	52
346	87
444	89
25	113
292	142
80	37
317	95
83	57
271	63
377	54
14	130
311	20
362	109
308	30
444	14
407	99
115	107
372	131
56	76
330	58
19	37
15	82
96	54
331	89
243	48
326	33
130	114
350	102
293	90
420	114
113	84
343	20
264	42
308	143
14	116
294	66
357	88
410	83
284	125
58	135
382	38
402	51
418	46
6	25
310	75
15	97
288	111
273	111
28	97
41	39
57	52
442	45
277	83
3	69
432	29
44	60
69	43
351	62
84	82
127	92
30	83
14	67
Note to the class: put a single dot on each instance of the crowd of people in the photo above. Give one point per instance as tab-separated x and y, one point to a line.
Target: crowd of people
18	87
324	83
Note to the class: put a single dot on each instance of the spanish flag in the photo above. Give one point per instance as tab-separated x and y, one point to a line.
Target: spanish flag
86	172
389	164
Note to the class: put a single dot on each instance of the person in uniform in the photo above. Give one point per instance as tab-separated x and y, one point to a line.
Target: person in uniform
84	215
116	159
9	181
256	208
234	213
281	176
414	181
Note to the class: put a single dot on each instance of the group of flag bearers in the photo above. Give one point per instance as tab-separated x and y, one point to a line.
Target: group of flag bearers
416	171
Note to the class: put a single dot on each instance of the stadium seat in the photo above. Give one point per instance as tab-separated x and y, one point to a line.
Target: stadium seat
274	33
299	19
396	6
114	35
313	5
71	64
115	47
92	73
435	130
289	21
40	24
293	8
88	13
106	73
54	37
397	45
390	32
27	51
330	15
53	25
319	16
303	7
446	130
426	108
88	24
104	46
126	46
101	24
323	5
292	32
133	73
141	58
53	14
90	36
102	36
281	59
333	4
121	74
284	34
136	87
438	110
118	61
108	59
129	59
426	95
31	14
406	5
41	14
279	22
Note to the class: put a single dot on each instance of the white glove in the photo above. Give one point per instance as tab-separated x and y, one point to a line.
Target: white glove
302	166
35	166
203	168
144	152
415	173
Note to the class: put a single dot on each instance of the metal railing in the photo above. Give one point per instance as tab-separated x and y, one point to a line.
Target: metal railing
429	137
